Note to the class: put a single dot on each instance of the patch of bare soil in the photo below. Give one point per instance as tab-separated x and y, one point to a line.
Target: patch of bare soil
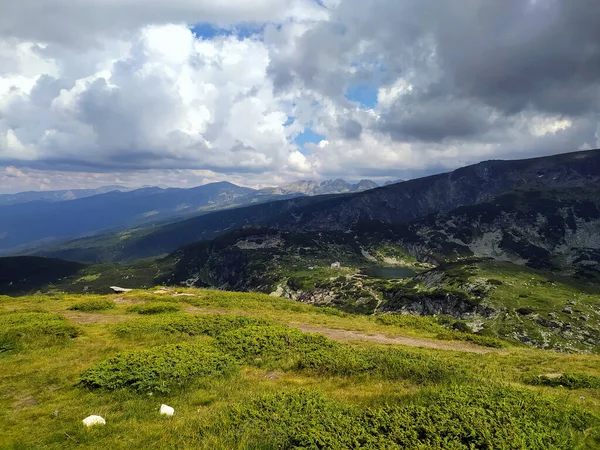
126	301
24	403
346	335
82	317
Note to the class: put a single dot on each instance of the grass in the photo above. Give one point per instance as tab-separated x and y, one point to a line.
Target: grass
96	304
154	308
20	330
460	417
159	369
567	380
240	376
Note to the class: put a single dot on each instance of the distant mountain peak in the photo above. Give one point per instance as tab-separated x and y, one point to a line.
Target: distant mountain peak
311	187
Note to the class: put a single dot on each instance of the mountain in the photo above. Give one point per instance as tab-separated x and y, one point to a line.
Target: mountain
548	228
387	183
38	221
393	204
310	187
55	196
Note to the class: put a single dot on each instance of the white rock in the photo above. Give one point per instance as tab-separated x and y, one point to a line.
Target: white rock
94	420
166	410
120	290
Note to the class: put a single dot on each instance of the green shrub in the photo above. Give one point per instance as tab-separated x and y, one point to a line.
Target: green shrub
159	369
18	329
457	417
336	360
525	311
409	321
154	308
484	341
96	304
567	380
387	364
209	325
256	344
261	345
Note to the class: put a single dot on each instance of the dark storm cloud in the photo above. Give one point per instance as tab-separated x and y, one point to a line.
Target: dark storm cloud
436	120
519	54
468	61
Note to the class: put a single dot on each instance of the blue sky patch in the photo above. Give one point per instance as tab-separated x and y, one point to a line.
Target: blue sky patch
364	93
209	31
308	136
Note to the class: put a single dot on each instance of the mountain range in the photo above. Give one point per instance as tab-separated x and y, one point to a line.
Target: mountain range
393	204
35	218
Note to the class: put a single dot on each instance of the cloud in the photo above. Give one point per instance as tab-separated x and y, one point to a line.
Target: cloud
170	101
125	87
84	23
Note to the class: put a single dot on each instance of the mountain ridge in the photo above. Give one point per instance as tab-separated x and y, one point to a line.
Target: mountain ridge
396	203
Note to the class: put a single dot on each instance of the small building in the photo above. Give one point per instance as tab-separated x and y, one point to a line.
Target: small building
336	265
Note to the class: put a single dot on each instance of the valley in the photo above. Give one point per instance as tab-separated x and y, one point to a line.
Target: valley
315	321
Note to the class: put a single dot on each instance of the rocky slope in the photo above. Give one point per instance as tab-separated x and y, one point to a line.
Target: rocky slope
557	229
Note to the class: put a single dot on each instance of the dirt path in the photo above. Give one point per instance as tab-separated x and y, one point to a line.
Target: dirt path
346	335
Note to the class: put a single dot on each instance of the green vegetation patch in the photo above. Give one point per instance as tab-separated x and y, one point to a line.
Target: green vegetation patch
256	344
410	321
567	380
33	329
386	363
462	417
269	345
96	304
484	341
209	325
155	308
159	369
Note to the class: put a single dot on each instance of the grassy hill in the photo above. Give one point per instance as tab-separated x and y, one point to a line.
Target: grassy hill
249	371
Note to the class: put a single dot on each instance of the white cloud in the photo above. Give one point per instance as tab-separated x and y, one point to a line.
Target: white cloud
171	101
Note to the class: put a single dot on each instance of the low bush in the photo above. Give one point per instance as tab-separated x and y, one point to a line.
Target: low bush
96	304
409	321
209	325
35	329
567	380
159	369
154	308
256	344
484	341
457	417
525	311
261	345
387	364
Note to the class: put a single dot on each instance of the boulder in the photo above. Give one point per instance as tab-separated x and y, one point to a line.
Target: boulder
90	421
120	290
166	410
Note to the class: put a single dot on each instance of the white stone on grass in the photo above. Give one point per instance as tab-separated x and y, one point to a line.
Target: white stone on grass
166	410
90	421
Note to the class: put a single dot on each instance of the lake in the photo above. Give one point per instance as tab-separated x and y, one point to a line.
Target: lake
389	272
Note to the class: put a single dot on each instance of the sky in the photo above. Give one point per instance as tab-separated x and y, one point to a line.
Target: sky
263	92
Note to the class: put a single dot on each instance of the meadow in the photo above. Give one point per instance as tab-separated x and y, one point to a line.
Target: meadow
250	371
